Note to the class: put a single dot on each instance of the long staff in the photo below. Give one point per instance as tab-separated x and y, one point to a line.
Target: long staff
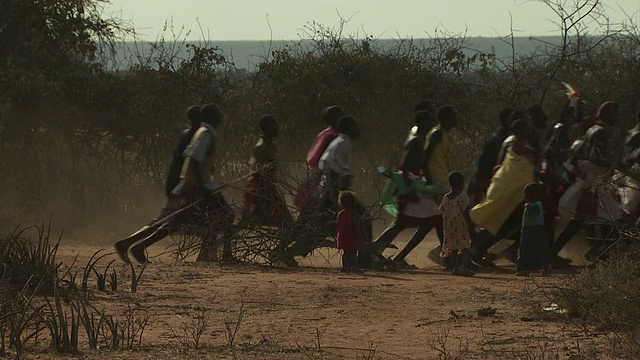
188	207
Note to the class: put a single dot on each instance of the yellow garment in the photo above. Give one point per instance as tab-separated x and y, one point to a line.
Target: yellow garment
439	164
505	193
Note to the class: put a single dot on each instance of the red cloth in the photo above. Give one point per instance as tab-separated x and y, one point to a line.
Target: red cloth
211	210
550	199
324	138
348	238
264	201
483	184
416	173
305	195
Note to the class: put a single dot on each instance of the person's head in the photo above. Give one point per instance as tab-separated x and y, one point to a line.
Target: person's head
447	117
347	200
269	126
517	115
520	129
608	113
193	114
456	181
348	126
332	114
505	117
532	192
425	105
537	116
425	121
567	113
211	114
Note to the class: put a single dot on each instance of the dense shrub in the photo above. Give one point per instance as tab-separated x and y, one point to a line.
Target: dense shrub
83	139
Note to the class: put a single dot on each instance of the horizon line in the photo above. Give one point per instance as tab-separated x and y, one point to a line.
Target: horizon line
355	38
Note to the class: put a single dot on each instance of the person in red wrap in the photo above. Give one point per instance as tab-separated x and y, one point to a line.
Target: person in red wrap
308	194
264	204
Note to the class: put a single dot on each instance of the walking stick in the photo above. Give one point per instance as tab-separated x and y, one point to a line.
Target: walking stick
186	208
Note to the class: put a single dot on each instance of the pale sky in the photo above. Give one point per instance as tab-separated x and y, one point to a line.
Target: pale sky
247	19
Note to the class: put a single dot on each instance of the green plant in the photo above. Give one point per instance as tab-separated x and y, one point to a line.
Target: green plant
113	281
110	332
63	330
91	267
22	319
5	308
370	353
135	278
132	327
440	343
91	323
27	263
102	277
198	326
232	326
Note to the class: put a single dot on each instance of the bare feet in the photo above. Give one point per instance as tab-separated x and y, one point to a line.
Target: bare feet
230	260
463	272
545	270
138	253
122	249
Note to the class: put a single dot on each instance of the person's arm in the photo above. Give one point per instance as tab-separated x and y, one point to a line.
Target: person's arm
600	149
359	231
564	145
632	150
524	149
185	140
341	161
503	151
532	210
634	157
487	160
466	210
205	147
412	160
435	138
535	141
264	159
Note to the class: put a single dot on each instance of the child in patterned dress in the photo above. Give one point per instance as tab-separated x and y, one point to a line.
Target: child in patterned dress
457	223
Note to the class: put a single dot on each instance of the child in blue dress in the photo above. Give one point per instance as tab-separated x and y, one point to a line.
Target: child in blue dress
534	253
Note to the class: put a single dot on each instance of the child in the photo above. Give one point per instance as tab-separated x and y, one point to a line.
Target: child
534	252
349	238
456	223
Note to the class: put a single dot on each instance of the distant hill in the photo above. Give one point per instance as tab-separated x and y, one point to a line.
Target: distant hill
247	54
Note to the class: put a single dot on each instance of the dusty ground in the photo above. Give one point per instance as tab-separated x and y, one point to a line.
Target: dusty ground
317	312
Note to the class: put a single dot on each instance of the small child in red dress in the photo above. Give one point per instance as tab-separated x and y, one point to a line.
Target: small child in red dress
349	238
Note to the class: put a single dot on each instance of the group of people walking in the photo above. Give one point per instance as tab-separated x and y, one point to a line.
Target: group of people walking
525	178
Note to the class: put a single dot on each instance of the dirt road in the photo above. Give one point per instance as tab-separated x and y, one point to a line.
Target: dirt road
317	312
